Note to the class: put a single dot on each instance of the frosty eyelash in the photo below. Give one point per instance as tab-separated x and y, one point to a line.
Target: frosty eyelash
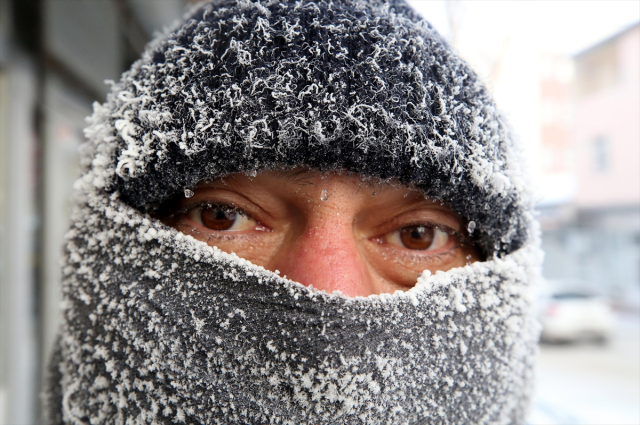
462	238
204	204
417	259
217	236
427	223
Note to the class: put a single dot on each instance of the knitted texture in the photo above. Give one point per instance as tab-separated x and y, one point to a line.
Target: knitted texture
347	85
161	328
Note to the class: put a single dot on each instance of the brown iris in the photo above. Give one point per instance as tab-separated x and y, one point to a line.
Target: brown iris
417	237
218	218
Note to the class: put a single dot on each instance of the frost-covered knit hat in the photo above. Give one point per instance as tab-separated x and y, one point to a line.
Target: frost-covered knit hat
161	328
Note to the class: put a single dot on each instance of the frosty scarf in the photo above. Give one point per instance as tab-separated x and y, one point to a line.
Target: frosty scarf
161	328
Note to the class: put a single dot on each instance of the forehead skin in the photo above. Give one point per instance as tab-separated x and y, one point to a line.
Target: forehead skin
319	189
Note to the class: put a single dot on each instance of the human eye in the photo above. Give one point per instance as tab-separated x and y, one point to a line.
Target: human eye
409	245
420	237
221	218
226	220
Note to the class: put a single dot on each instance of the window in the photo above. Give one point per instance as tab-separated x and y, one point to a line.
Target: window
601	155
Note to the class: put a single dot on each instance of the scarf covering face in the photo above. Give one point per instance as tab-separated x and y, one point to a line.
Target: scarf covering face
161	328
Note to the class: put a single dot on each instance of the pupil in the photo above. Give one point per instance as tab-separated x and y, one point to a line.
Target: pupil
218	219
417	237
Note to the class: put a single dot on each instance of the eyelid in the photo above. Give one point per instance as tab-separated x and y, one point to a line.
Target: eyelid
231	199
205	204
430	258
458	241
462	239
185	209
427	223
432	215
393	226
445	229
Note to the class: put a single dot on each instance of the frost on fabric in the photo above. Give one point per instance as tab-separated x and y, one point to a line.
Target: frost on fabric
161	328
361	86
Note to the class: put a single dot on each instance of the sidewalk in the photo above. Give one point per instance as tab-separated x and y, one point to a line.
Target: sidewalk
590	384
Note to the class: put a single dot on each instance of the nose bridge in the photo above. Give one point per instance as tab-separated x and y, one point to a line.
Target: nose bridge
326	255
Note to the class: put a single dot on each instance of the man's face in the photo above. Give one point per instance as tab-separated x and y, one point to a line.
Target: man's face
332	231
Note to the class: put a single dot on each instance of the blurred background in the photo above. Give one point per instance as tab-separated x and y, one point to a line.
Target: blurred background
566	74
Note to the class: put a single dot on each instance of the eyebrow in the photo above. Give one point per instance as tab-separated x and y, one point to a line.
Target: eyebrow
295	176
380	186
288	174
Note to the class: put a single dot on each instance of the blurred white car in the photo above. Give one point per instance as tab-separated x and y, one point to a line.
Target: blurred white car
573	316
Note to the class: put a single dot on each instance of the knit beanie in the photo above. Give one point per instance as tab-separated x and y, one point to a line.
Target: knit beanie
161	328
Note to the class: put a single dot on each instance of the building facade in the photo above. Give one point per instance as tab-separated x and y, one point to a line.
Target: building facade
592	235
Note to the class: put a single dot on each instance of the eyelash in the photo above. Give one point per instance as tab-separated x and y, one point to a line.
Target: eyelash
427	223
417	257
210	234
462	239
203	204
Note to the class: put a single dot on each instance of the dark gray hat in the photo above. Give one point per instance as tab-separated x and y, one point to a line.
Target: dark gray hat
363	86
